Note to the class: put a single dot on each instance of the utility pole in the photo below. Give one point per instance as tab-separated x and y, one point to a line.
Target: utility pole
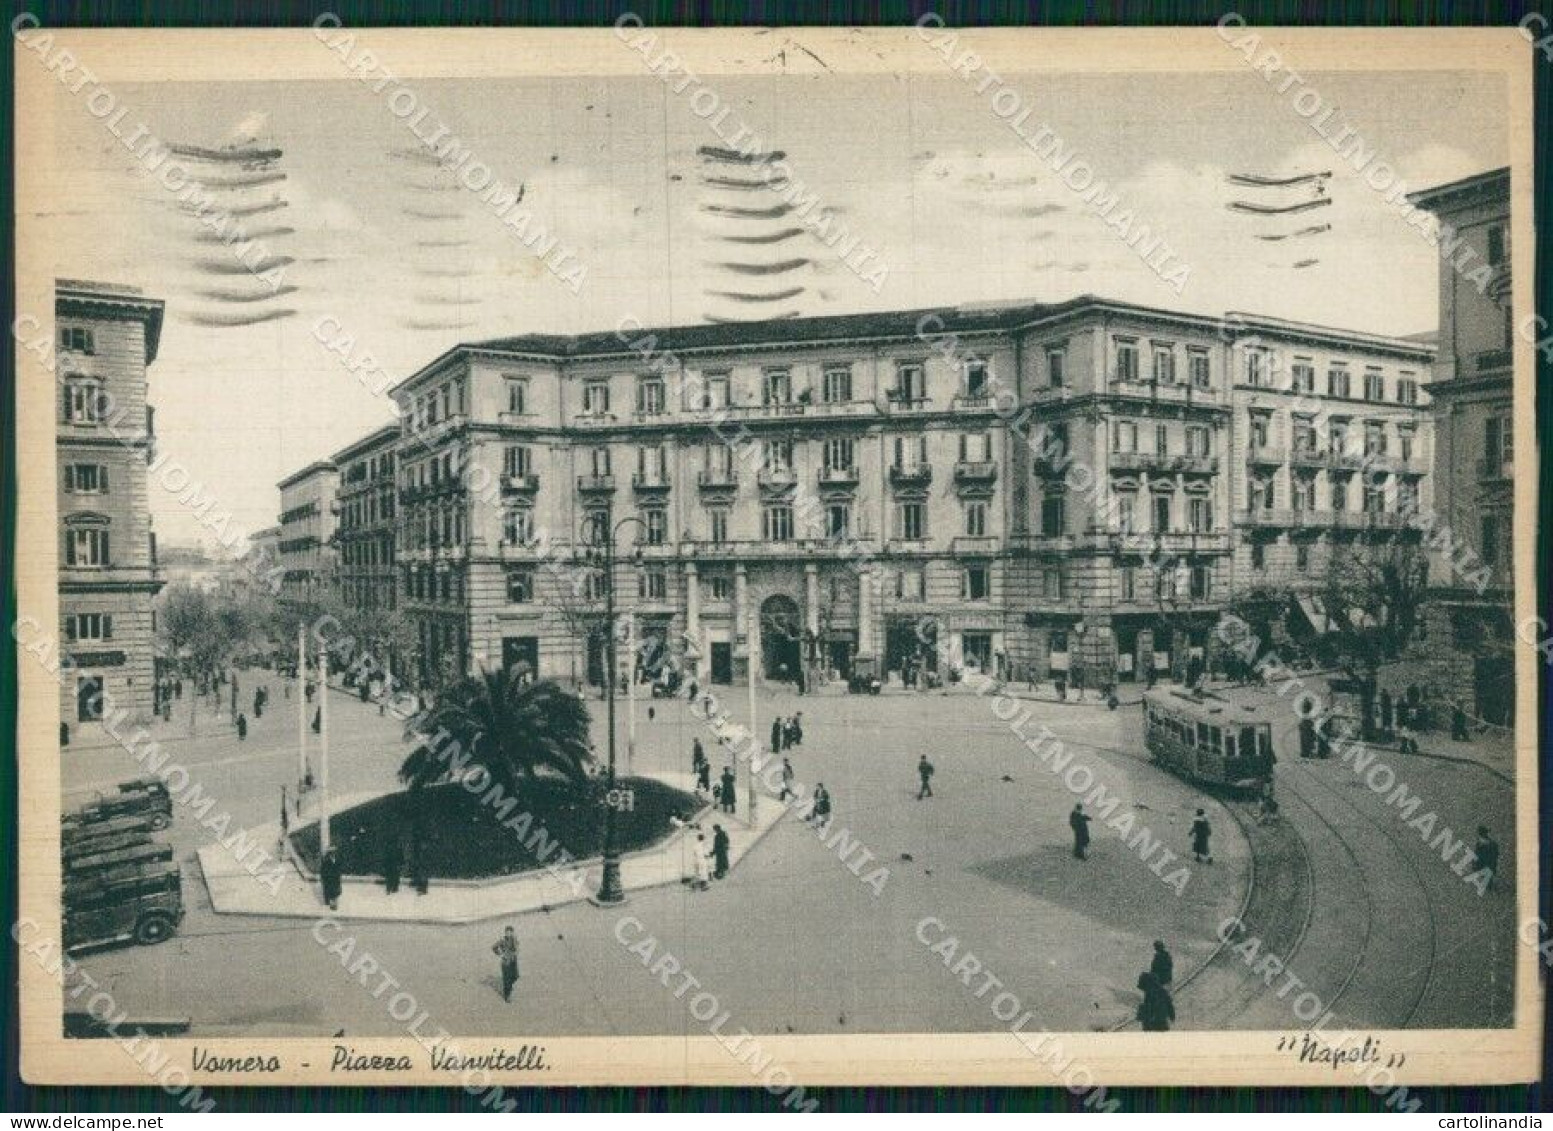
301	716
323	750
632	653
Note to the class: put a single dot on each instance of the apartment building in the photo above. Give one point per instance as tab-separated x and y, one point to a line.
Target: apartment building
366	503
1472	624
107	337
308	518
1038	489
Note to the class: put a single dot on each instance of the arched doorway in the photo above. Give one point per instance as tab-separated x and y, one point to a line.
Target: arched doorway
781	631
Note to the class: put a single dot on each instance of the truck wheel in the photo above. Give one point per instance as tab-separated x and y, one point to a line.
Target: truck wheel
160	821
153	928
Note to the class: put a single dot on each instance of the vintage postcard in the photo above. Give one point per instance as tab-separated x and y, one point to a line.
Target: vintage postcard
777	558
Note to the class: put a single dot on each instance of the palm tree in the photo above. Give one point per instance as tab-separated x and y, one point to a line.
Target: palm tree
510	725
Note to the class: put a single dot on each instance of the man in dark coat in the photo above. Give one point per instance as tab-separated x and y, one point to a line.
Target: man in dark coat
1459	724
797	730
242	727
1157	1010
329	875
728	790
1486	855
1163	967
318	721
925	772
719	852
393	864
506	949
704	777
1078	821
776	736
697	756
1201	832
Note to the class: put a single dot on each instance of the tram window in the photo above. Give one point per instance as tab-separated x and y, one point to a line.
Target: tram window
1214	742
1202	734
1247	742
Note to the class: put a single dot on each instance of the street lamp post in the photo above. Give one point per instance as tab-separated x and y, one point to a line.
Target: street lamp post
602	548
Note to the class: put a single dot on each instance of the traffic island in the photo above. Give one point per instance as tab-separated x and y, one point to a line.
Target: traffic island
539	873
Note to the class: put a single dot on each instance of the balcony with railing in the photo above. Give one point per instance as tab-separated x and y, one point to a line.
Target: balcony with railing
972	544
1266	518
1307	455
975	471
898	401
911	475
596	484
1174	393
649	482
838	477
527	482
594	420
717	479
777	478
1267	455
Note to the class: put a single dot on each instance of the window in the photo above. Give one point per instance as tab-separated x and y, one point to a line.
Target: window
1199	440
717	524
595	526
1129	583
517	526
838	521
838	454
1407	390
1257	367
1127	511
910	584
1304	434
1201	514
836	384
516	460
1258	555
910	452
1340	492
77	339
1056	363
595	398
1337	436
649	396
1263	493
776	387
1161	440
654	584
1374	385
85	402
977	385
713	393
517	395
1053	515
1496	246
1374	498
1302	556
1126	360
652	463
520	586
1164	365
1124	436
910	382
1197	362
86	478
1304	497
1161	512
1374	437
911	520
718	586
656	521
1202	582
777	455
1337	381
1304	376
1405	437
975	447
719	460
89	626
976	518
976	583
1488	547
598	458
87	547
1261	425
778	523
1498	443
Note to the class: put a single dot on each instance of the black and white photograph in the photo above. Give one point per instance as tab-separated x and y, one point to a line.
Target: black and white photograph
777	557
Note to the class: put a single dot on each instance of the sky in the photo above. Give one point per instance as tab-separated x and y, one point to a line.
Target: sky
956	208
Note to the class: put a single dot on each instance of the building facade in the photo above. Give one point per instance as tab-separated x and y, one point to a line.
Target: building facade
1471	631
107	338
364	538
308	519
1074	489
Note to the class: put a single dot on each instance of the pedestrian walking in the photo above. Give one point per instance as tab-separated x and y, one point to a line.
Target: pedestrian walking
258	704
178	688
704	777
728	789
1201	832
776	736
1164	966
798	729
697	756
1078	821
1459	724
1157	1010
318	721
309	690
925	772
330	876
719	852
506	949
787	780
1486	855
242	727
821	807
693	689
393	863
702	863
